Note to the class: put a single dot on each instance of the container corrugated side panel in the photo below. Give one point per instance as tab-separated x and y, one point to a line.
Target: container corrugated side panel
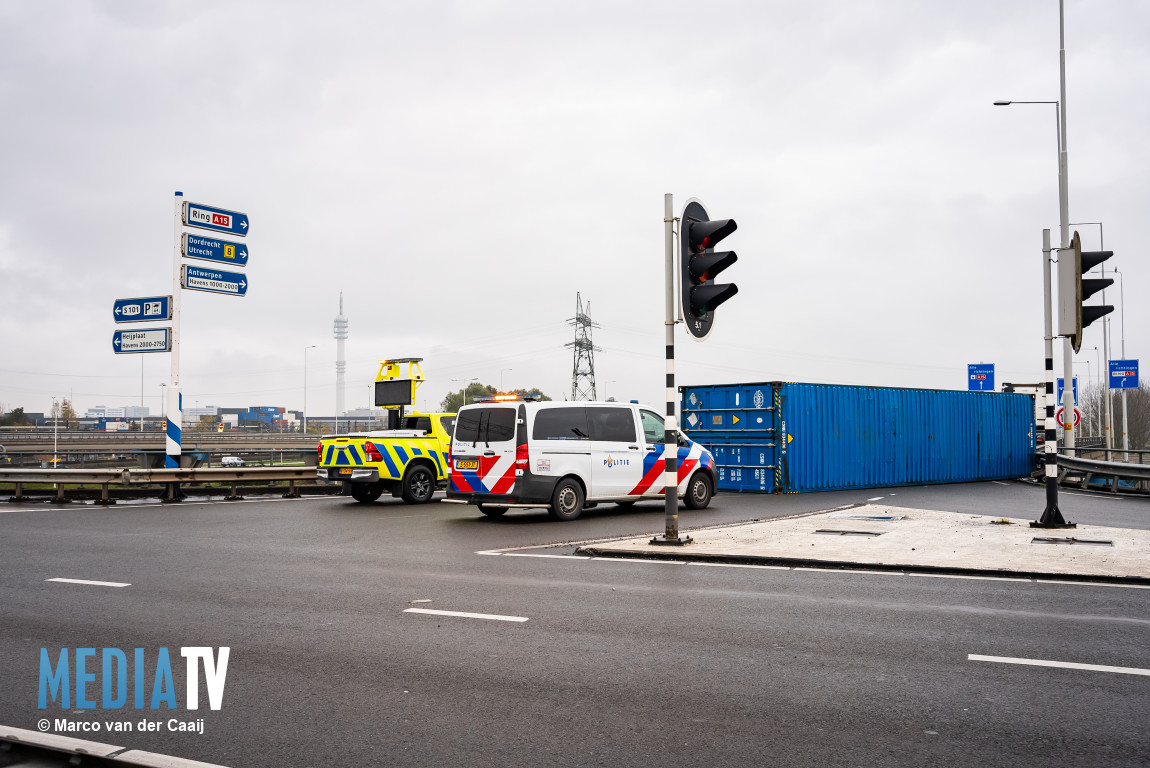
736	423
840	437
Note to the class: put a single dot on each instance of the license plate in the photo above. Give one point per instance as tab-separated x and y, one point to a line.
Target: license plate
345	471
472	464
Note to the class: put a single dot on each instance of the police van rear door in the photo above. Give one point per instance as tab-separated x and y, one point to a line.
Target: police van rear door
483	449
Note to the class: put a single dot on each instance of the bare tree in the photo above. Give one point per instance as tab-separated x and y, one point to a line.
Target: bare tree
1138	422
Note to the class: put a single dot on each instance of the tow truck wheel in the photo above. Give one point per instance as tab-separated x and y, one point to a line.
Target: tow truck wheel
698	491
491	511
418	484
365	493
567	501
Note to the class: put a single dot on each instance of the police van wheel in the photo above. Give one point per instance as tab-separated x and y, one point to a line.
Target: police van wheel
567	501
418	485
491	511
365	493
698	492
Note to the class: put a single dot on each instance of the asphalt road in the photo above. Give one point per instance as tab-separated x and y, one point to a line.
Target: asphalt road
618	663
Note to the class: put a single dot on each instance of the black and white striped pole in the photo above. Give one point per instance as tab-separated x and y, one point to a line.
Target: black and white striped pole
670	428
698	263
1051	516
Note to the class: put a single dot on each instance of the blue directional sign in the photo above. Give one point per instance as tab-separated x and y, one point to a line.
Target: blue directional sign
980	377
217	219
213	249
1124	374
142	340
213	280
148	309
1062	386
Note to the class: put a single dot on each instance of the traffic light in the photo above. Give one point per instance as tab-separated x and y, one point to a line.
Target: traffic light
698	265
1073	290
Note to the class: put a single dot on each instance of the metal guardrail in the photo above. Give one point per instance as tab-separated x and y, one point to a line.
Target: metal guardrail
1115	470
170	477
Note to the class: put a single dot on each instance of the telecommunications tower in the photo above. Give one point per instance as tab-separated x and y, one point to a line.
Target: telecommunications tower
583	372
340	360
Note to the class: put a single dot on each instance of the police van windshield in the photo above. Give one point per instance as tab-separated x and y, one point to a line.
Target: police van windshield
485	425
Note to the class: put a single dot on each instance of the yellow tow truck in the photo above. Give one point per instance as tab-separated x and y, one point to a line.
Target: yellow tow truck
409	459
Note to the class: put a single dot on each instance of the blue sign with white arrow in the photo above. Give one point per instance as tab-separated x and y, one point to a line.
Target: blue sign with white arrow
980	377
213	249
217	219
1124	374
1062	387
142	340
146	309
213	280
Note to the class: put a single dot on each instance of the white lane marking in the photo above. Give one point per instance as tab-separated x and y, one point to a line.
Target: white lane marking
1094	496
1062	664
491	616
93	583
877	498
999	482
638	560
960	576
561	557
854	570
1092	584
745	565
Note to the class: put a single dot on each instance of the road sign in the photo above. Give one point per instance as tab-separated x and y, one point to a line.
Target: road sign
980	377
148	309
142	340
217	219
1062	386
213	280
1061	423
213	249
1124	374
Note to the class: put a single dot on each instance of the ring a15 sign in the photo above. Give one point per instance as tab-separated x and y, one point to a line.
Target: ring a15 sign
1123	374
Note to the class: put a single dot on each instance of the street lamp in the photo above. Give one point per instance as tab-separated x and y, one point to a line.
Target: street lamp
163	402
1064	229
305	349
55	431
609	383
1089	381
501	378
1122	301
466	383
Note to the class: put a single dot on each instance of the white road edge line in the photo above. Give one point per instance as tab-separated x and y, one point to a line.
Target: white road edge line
1092	584
1062	664
93	583
491	616
1094	496
877	498
557	557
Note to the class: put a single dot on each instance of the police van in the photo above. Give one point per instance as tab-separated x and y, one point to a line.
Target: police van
509	454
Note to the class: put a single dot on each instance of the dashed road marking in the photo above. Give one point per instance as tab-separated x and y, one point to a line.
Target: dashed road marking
1061	664
465	615
93	583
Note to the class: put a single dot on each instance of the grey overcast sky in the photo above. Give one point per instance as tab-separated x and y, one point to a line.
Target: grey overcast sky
461	169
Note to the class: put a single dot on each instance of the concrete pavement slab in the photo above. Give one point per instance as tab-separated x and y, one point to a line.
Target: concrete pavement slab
898	538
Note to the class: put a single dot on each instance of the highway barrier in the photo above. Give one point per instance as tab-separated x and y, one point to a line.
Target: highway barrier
170	478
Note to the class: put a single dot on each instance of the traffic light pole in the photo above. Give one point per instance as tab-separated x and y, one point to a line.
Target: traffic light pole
1051	516
670	535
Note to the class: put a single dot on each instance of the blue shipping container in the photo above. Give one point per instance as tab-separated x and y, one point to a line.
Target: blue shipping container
783	437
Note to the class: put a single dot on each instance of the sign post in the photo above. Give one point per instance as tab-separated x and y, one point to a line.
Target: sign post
1124	376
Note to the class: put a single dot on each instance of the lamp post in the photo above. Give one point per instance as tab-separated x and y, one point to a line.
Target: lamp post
501	378
1122	301
1064	229
163	404
305	349
466	384
605	386
55	431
